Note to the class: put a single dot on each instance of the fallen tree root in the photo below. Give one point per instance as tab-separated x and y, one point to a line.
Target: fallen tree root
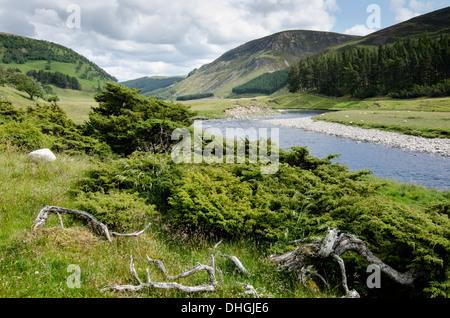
98	226
335	244
208	287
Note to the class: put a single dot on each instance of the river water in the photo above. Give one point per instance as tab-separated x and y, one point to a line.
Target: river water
430	170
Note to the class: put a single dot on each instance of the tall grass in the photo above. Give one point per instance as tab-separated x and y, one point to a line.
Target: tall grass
36	264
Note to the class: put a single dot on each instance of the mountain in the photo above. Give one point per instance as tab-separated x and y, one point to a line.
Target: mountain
435	23
248	61
28	54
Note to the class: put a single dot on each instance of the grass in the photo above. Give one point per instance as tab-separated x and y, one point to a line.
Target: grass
308	101
36	264
425	124
77	104
214	107
426	117
65	68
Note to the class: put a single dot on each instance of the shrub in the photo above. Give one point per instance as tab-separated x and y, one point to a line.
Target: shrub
24	135
119	211
305	197
128	122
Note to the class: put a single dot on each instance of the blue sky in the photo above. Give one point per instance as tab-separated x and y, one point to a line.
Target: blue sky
354	12
136	38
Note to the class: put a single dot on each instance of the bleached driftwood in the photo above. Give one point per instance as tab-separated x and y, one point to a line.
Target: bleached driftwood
208	287
237	262
98	226
335	244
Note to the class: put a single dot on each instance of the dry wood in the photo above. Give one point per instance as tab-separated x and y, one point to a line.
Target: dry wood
250	290
335	244
210	286
98	226
237	262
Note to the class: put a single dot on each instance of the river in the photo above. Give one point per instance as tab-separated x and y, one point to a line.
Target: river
430	170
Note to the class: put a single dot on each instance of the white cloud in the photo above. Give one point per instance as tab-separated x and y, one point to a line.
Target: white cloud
404	11
359	29
131	38
420	6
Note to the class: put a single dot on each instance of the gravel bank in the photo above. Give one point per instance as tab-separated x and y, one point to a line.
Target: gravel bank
438	145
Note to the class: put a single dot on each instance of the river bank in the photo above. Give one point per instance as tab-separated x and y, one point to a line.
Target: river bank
435	145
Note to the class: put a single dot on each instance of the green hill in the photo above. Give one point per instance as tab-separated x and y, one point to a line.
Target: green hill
149	84
248	61
28	54
407	60
435	24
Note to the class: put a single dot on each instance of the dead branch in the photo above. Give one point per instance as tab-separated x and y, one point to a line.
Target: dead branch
237	262
250	290
335	244
132	234
98	226
210	286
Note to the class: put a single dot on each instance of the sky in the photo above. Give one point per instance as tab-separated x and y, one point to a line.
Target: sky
137	38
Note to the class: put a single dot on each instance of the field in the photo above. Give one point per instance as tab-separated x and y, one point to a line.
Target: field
76	104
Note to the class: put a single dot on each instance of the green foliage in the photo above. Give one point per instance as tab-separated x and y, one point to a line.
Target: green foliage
67	137
267	83
195	96
406	229
26	84
23	135
149	84
46	126
21	50
8	112
408	68
56	78
127	121
119	211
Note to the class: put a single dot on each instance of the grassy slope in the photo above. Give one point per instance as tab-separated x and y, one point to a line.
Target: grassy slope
65	68
76	104
36	264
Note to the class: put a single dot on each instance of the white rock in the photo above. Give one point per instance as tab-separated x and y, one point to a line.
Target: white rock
42	155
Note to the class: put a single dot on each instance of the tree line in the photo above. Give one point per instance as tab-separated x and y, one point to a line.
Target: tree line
195	96
55	78
266	83
407	68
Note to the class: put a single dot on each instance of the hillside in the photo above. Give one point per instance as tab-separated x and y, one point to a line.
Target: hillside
246	62
28	54
407	60
436	23
149	84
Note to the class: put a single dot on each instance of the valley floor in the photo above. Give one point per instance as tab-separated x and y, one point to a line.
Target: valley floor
387	138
